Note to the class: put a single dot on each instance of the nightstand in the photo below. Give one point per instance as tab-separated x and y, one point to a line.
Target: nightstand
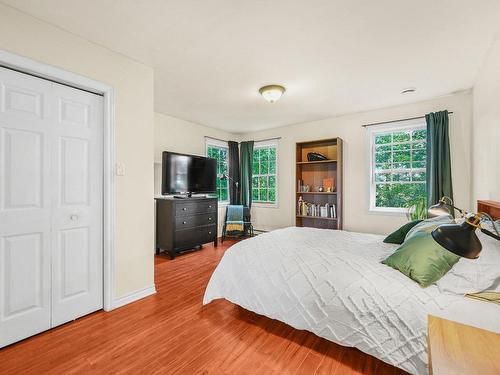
455	348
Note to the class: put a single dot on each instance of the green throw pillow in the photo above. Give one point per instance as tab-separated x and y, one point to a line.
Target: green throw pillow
422	259
398	236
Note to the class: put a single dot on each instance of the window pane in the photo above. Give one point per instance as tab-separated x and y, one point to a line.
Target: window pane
262	182
401	136
263	195
419	146
255	194
272	154
224	195
255	182
264	167
401	147
418	176
380	166
272	166
255	169
418	164
419	134
419	155
401	165
400	156
383	148
255	156
272	182
401	177
383	138
382	157
272	195
383	177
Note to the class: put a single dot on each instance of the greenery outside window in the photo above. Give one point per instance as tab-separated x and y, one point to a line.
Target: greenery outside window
265	172
219	151
397	165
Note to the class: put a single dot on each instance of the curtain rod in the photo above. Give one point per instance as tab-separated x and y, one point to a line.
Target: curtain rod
260	140
388	122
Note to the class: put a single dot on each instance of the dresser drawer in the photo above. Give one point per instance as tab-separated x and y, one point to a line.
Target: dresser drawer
200	235
190	208
183	222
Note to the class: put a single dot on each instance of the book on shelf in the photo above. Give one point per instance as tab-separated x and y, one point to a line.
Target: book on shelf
316	210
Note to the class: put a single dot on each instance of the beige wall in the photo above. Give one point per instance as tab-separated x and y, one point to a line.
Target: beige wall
173	134
356	167
133	85
486	129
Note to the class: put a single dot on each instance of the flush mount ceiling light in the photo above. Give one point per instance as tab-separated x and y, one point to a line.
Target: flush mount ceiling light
409	90
272	92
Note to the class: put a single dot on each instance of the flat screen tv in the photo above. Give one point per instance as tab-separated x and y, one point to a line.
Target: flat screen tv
188	174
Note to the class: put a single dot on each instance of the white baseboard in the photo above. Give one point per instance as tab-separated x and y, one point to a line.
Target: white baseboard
132	297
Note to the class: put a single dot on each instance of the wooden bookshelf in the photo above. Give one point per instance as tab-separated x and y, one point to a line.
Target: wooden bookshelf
313	174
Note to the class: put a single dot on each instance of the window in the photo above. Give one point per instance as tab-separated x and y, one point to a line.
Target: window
398	165
264	175
219	151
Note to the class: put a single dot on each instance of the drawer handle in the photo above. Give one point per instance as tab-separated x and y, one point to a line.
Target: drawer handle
209	218
209	232
184	209
184	222
209	206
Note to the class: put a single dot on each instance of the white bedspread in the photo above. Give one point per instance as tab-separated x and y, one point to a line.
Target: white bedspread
333	284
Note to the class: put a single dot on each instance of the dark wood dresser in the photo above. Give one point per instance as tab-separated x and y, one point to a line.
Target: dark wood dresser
183	224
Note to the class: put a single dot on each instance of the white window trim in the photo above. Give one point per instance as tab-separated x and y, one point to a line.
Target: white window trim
264	144
221	144
371	133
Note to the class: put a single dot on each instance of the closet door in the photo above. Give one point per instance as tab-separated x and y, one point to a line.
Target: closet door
25	206
76	186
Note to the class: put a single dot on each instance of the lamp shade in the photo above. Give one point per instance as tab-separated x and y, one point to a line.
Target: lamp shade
460	239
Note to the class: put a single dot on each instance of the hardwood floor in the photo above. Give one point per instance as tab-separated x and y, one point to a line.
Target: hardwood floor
171	333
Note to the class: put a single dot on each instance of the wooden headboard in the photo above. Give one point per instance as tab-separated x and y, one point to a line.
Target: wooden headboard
492	208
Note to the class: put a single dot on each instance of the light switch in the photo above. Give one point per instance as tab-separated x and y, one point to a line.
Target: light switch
120	169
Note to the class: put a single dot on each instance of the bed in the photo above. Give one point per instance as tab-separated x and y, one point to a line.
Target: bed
332	283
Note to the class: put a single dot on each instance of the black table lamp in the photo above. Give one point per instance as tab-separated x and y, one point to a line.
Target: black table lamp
460	239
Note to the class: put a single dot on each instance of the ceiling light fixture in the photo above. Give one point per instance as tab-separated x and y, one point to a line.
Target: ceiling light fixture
272	93
409	90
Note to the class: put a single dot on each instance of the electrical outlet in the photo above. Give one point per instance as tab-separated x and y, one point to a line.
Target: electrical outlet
120	169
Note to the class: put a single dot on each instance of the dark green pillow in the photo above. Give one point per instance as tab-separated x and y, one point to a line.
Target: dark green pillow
422	259
398	236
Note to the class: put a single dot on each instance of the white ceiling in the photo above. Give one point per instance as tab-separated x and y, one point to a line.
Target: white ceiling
210	57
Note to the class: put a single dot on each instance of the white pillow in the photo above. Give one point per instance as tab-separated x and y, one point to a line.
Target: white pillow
475	275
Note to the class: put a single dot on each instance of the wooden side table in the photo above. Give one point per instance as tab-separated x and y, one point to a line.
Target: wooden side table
455	348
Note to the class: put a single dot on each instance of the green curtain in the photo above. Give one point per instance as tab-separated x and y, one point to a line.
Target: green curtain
246	158
438	157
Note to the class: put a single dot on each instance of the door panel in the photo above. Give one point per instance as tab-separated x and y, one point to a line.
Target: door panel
25	212
77	205
22	172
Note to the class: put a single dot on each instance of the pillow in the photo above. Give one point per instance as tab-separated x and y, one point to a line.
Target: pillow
428	225
422	259
475	275
398	236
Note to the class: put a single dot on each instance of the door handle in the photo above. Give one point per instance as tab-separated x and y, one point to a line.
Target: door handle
73	217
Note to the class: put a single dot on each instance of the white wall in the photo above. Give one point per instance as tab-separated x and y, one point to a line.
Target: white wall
486	129
173	134
133	83
356	166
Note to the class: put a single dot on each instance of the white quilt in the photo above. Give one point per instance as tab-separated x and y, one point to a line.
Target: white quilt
332	284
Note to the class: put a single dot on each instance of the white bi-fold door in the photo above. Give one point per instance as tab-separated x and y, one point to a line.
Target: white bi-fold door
51	168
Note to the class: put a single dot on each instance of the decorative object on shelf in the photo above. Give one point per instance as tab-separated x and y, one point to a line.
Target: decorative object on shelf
461	239
320	189
314	156
272	93
329	184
